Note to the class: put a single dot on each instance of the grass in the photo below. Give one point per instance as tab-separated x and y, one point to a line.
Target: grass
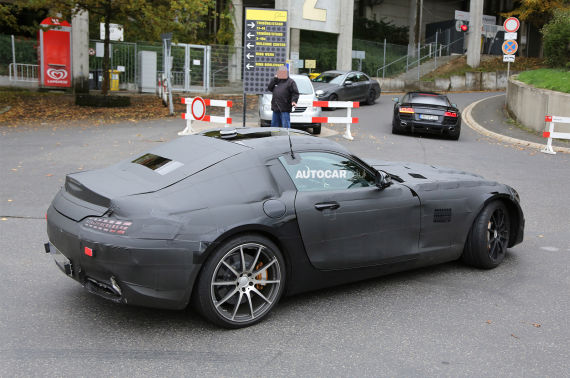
547	78
489	63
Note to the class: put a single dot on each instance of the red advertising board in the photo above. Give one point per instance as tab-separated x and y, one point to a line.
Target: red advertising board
55	56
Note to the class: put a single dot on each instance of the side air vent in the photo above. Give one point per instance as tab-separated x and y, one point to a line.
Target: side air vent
442	215
417	175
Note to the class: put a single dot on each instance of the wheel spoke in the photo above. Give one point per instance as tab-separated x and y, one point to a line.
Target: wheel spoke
261	295
226	298
266	282
237	305
264	268
230	283
255	260
250	303
243	270
231	269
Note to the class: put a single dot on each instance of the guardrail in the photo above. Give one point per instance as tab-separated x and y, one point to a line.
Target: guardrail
196	111
348	120
551	134
23	72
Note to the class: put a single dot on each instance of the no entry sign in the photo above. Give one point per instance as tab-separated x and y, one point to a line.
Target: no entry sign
511	24
264	47
198	108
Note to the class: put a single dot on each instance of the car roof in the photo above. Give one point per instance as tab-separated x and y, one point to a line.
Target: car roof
425	93
271	141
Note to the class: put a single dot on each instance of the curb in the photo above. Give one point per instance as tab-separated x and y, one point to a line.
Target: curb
503	138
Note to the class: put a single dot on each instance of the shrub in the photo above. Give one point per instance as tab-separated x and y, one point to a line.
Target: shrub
556	38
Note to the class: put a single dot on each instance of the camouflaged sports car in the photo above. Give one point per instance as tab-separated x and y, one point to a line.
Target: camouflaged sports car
231	220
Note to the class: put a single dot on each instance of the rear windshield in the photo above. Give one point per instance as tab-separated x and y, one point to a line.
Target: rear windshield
304	85
330	77
429	99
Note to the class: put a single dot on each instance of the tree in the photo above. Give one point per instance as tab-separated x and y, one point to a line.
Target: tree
556	36
537	12
142	19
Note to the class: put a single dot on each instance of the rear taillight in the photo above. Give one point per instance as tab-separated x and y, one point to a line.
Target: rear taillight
451	114
407	110
111	226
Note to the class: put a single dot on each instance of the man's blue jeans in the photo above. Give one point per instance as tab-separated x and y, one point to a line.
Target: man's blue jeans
281	119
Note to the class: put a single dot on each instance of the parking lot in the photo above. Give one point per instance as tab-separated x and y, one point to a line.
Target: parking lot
445	320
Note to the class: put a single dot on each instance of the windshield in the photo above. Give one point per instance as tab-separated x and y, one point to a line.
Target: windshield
329	77
304	85
429	100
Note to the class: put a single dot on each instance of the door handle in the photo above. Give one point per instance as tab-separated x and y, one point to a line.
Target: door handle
327	205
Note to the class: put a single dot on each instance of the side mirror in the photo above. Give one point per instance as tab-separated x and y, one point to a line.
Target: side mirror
383	180
348	82
396	99
454	105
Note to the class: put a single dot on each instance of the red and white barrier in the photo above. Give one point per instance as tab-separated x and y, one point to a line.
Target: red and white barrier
551	134
349	119
196	111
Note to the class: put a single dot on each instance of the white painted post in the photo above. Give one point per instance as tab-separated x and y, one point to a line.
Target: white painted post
347	134
548	149
227	115
14	58
188	130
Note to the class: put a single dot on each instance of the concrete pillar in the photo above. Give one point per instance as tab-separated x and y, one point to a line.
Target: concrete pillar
344	43
80	52
475	25
412	27
235	57
294	45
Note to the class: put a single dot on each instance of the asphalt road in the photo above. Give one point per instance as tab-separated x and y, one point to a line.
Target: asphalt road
448	320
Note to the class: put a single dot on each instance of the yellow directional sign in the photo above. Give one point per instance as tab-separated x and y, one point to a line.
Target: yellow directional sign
264	47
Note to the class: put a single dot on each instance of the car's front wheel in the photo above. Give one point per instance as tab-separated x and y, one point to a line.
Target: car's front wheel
488	239
241	281
332	97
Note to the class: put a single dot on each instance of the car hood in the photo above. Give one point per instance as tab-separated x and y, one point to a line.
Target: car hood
305	99
325	87
422	177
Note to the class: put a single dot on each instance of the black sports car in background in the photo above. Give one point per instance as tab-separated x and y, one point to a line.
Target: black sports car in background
346	86
233	219
426	112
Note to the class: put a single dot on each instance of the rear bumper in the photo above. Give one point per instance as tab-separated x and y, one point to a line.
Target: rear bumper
415	126
142	272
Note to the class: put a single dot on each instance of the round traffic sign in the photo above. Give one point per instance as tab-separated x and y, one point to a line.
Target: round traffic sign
511	24
198	108
510	46
91	51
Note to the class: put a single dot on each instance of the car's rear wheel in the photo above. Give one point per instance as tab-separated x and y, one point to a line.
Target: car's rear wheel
371	99
241	282
488	239
454	135
316	130
396	129
332	97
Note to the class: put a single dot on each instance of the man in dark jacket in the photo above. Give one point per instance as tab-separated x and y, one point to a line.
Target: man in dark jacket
285	96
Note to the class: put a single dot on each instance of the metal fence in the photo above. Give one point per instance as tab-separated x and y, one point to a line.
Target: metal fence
213	68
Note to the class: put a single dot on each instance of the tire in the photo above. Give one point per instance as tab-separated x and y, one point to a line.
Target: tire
333	97
488	238
371	99
395	129
240	282
316	130
454	135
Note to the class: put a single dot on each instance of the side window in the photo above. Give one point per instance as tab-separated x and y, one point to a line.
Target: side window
352	77
363	77
318	171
